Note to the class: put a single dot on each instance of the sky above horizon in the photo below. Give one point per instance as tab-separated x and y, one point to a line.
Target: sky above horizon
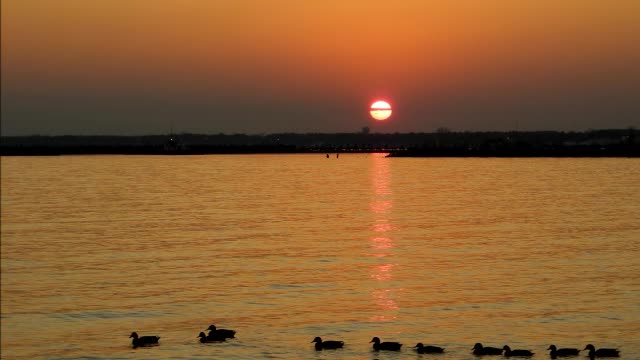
265	66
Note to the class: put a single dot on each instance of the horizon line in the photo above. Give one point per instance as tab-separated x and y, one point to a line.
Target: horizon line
437	131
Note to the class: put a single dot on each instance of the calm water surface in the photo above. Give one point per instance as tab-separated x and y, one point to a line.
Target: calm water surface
283	248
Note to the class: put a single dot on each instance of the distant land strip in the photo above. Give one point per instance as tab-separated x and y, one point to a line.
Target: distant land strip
443	143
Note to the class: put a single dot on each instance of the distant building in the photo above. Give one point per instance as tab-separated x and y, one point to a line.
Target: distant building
365	130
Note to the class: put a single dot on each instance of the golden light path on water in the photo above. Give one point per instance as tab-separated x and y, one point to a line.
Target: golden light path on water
382	242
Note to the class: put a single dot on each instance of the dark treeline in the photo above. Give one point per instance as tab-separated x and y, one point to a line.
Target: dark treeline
612	142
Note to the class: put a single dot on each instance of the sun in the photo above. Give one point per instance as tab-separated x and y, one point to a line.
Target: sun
380	110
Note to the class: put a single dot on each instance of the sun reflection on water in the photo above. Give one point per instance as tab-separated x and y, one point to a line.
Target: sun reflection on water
383	272
382	241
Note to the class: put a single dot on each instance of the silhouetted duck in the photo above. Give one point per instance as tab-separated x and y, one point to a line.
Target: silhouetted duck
421	349
213	331
602	352
143	340
212	337
509	353
387	345
555	352
329	344
478	349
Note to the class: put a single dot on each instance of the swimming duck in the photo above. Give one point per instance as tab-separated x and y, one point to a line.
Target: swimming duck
329	344
212	337
508	352
213	331
143	340
562	352
387	345
478	349
421	349
602	352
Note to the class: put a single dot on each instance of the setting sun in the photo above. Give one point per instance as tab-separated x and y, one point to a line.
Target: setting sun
380	110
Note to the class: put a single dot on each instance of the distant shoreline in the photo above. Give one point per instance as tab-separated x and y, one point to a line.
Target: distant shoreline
594	143
562	152
557	152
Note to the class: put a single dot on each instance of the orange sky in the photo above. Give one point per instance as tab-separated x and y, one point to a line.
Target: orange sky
116	66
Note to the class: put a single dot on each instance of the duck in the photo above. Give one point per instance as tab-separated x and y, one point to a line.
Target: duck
212	337
387	345
421	349
508	352
478	349
143	340
602	352
328	344
213	331
555	352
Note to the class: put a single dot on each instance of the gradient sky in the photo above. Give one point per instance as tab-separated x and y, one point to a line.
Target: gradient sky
266	66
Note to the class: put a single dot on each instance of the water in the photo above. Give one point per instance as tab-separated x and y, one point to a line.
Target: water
283	248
